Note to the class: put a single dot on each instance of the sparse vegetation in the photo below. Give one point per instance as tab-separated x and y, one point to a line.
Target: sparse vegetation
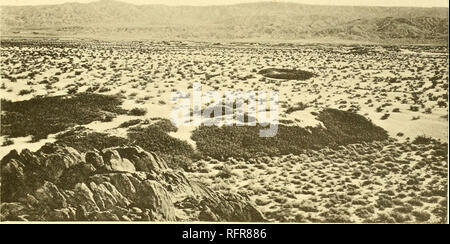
287	74
298	107
154	138
25	92
232	141
414	108
423	140
7	142
130	123
42	116
385	116
138	112
226	172
85	141
344	169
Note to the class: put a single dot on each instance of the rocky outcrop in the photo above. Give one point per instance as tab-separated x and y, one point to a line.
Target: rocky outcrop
58	183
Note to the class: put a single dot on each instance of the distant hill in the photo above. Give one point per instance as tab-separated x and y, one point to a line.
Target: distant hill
258	21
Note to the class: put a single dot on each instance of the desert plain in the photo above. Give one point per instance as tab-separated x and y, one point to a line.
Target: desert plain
86	132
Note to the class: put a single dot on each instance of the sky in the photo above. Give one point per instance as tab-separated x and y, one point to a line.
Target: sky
413	3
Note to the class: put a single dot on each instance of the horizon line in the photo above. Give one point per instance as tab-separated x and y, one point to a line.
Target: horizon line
217	5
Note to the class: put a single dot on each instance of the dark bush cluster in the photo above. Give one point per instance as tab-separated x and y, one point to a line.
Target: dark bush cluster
137	112
341	128
85	141
41	116
287	74
155	138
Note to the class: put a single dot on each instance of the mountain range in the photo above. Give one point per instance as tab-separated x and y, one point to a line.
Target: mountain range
267	21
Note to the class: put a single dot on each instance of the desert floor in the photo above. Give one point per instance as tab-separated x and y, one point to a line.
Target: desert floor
402	89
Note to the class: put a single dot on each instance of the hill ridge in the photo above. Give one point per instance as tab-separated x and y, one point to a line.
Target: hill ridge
262	21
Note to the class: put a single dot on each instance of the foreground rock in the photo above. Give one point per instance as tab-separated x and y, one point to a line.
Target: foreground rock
128	184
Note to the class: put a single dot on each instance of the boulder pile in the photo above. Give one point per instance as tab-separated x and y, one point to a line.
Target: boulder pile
57	183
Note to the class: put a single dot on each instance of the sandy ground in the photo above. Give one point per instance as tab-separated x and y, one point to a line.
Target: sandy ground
146	77
378	182
405	92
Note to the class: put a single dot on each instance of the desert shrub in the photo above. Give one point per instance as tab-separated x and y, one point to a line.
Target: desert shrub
178	162
42	116
385	116
104	89
359	50
298	107
130	123
414	108
442	104
85	141
138	112
421	216
178	154
72	90
154	138
288	74
342	128
25	92
404	209
384	203
415	202
226	172
165	125
400	218
347	127
7	142
423	140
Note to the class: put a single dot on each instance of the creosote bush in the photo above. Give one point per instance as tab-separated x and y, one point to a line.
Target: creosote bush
138	112
287	74
41	116
341	128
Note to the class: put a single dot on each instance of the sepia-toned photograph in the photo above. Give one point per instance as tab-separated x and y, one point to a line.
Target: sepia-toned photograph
233	111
